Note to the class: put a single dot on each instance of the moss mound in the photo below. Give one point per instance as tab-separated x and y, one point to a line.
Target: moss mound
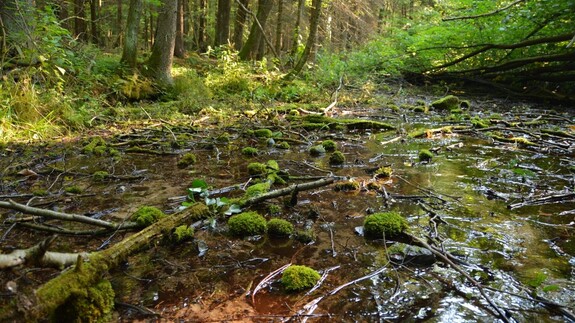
256	168
92	305
280	227
317	150
296	278
147	215
250	151
247	224
187	160
329	145
337	158
425	155
100	176
388	223
263	133
183	233
383	172
450	102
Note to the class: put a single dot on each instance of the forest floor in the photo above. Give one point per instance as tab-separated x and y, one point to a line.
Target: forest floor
498	194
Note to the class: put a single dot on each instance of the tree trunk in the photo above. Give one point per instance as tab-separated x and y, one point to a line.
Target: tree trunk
251	47
119	29
53	294
278	43
297	27
130	52
239	24
160	62
179	49
201	30
94	17
223	22
80	26
313	27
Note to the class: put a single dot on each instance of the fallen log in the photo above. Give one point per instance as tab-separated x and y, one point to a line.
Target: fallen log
50	296
39	255
288	190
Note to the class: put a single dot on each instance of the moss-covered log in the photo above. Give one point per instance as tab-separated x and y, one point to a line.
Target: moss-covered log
46	300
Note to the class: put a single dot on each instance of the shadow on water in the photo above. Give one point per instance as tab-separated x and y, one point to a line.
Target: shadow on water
460	199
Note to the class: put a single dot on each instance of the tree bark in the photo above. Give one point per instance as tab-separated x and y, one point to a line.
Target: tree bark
313	27
160	62
251	47
239	24
130	51
179	49
297	27
119	29
223	22
94	17
279	40
80	26
201	30
46	300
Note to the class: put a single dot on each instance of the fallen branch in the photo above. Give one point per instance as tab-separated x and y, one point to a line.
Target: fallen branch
288	190
12	205
267	280
39	255
552	199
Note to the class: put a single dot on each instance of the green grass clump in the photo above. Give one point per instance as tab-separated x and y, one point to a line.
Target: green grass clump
147	215
386	224
337	158
425	155
247	224
73	189
296	278
346	186
187	160
329	145
280	227
250	151
183	233
383	172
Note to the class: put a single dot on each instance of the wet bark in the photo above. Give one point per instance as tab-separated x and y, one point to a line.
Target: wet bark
130	52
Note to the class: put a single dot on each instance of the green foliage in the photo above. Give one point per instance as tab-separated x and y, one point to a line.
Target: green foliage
296	278
386	224
247	224
537	280
189	90
257	189
183	233
94	304
280	227
147	215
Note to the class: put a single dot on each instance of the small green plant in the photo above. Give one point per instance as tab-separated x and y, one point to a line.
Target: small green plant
100	176
147	215
199	188
383	172
247	224
337	158
280	227
329	145
386	224
250	151
187	160
425	155
537	280
183	233
296	278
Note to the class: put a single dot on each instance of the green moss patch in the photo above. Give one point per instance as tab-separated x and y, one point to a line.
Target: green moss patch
147	215
296	278
425	155
448	103
329	145
280	227
94	304
183	233
250	151
247	224
386	224
337	158
187	160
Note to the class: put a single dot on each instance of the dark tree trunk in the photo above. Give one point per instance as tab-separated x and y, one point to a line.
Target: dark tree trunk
223	22
278	44
130	52
80	26
313	27
94	17
119	29
16	26
160	62
252	46
239	24
179	49
201	37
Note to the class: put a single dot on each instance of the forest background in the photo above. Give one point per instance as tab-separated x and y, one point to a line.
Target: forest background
68	65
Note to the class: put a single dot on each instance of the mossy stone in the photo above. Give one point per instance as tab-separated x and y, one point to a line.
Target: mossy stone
337	158
386	224
263	133
425	155
450	102
100	176
305	236
147	215
280	227
383	172
283	145
247	224
256	168
296	278
317	150
346	186
329	145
